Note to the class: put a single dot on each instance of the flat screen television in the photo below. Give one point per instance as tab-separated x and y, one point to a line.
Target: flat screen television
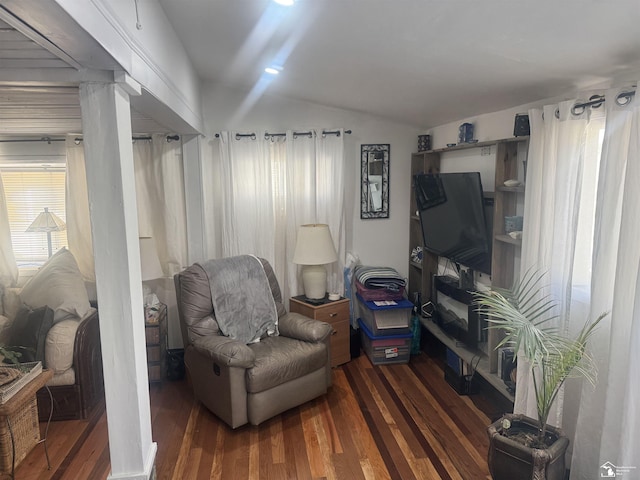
455	217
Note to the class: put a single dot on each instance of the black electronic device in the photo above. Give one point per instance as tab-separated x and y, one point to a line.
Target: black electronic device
456	218
521	125
456	312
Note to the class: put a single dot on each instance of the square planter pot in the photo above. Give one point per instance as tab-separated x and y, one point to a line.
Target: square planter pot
509	459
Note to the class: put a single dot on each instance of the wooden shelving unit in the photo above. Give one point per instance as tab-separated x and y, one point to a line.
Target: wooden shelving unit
504	247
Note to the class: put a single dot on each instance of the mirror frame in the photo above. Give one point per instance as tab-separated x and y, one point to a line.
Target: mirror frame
378	151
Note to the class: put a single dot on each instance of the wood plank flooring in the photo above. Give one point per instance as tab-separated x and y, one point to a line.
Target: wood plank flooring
376	422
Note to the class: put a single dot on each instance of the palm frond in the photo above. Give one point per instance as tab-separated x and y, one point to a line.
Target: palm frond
527	318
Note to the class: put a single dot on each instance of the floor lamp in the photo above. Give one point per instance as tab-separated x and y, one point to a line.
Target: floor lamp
47	222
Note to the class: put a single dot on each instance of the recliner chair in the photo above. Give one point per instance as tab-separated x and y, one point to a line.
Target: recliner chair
250	383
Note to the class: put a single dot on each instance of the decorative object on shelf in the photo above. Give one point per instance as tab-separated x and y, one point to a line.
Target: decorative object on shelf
47	222
521	125
416	254
374	172
314	249
424	143
538	448
465	133
512	183
513	224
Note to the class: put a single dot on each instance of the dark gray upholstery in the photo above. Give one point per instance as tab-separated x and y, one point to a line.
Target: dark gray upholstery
250	383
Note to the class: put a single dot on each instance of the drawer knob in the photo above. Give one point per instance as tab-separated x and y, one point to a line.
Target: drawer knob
333	314
333	332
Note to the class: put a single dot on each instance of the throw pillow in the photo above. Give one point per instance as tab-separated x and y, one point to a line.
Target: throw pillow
29	332
59	285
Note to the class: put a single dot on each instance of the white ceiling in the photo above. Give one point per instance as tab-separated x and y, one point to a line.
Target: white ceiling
421	62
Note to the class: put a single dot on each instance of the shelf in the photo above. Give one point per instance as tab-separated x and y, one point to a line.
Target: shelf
415	265
465	146
508	239
470	356
518	189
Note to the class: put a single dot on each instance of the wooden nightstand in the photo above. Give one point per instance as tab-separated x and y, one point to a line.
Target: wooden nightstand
335	313
155	331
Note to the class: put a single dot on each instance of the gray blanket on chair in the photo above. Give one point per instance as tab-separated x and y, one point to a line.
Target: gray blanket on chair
242	300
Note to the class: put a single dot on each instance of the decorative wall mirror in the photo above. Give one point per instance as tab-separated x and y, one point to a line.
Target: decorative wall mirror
374	172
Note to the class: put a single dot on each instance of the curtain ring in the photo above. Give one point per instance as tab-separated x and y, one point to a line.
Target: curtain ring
594	98
624	98
575	110
557	113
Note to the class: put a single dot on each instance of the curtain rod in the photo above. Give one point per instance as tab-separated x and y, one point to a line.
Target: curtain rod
77	140
595	101
309	134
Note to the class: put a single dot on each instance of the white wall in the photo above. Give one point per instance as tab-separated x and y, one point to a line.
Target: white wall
376	241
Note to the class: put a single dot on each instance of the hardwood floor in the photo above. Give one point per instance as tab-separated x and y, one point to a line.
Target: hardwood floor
382	422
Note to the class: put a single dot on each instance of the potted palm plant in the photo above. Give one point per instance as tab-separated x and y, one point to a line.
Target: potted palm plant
522	447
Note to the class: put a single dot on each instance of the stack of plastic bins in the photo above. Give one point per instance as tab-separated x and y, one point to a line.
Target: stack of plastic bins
385	331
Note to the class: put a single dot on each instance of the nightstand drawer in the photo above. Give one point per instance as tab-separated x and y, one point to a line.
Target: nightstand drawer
333	313
340	350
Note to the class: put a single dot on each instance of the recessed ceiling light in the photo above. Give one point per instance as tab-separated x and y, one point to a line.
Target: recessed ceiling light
286	3
272	70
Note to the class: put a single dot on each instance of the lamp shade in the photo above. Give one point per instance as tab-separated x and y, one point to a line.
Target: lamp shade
47	222
149	262
314	245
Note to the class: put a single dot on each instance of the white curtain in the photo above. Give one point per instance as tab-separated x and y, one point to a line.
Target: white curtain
608	427
552	204
77	210
160	198
271	186
8	266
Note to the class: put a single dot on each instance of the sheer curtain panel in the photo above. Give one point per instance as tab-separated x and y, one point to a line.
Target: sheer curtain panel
271	186
8	265
77	210
554	181
608	427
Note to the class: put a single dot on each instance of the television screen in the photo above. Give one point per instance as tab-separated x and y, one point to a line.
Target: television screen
454	218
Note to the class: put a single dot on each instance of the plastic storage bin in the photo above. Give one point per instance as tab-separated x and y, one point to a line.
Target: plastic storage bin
386	319
385	349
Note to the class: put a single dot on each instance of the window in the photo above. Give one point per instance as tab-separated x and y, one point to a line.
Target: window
28	190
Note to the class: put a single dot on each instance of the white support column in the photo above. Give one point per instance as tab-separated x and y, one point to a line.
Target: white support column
192	163
106	125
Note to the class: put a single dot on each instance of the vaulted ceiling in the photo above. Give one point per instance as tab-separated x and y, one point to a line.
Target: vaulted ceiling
421	62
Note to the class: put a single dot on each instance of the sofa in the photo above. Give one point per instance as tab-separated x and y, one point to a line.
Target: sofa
51	320
250	383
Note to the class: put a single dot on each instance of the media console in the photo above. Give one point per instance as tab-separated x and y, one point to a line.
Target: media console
457	324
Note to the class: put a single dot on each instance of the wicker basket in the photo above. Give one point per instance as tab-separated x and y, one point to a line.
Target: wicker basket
26	434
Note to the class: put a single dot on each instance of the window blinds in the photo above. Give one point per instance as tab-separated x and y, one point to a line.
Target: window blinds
28	191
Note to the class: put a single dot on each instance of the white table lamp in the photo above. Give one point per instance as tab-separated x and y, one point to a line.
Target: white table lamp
314	249
47	222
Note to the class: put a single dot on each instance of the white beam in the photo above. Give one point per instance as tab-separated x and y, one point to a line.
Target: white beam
106	122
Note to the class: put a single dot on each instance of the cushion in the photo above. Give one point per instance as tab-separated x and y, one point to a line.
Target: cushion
59	345
280	359
29	332
59	285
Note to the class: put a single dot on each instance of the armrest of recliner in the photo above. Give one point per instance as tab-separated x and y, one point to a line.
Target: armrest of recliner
295	325
225	351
